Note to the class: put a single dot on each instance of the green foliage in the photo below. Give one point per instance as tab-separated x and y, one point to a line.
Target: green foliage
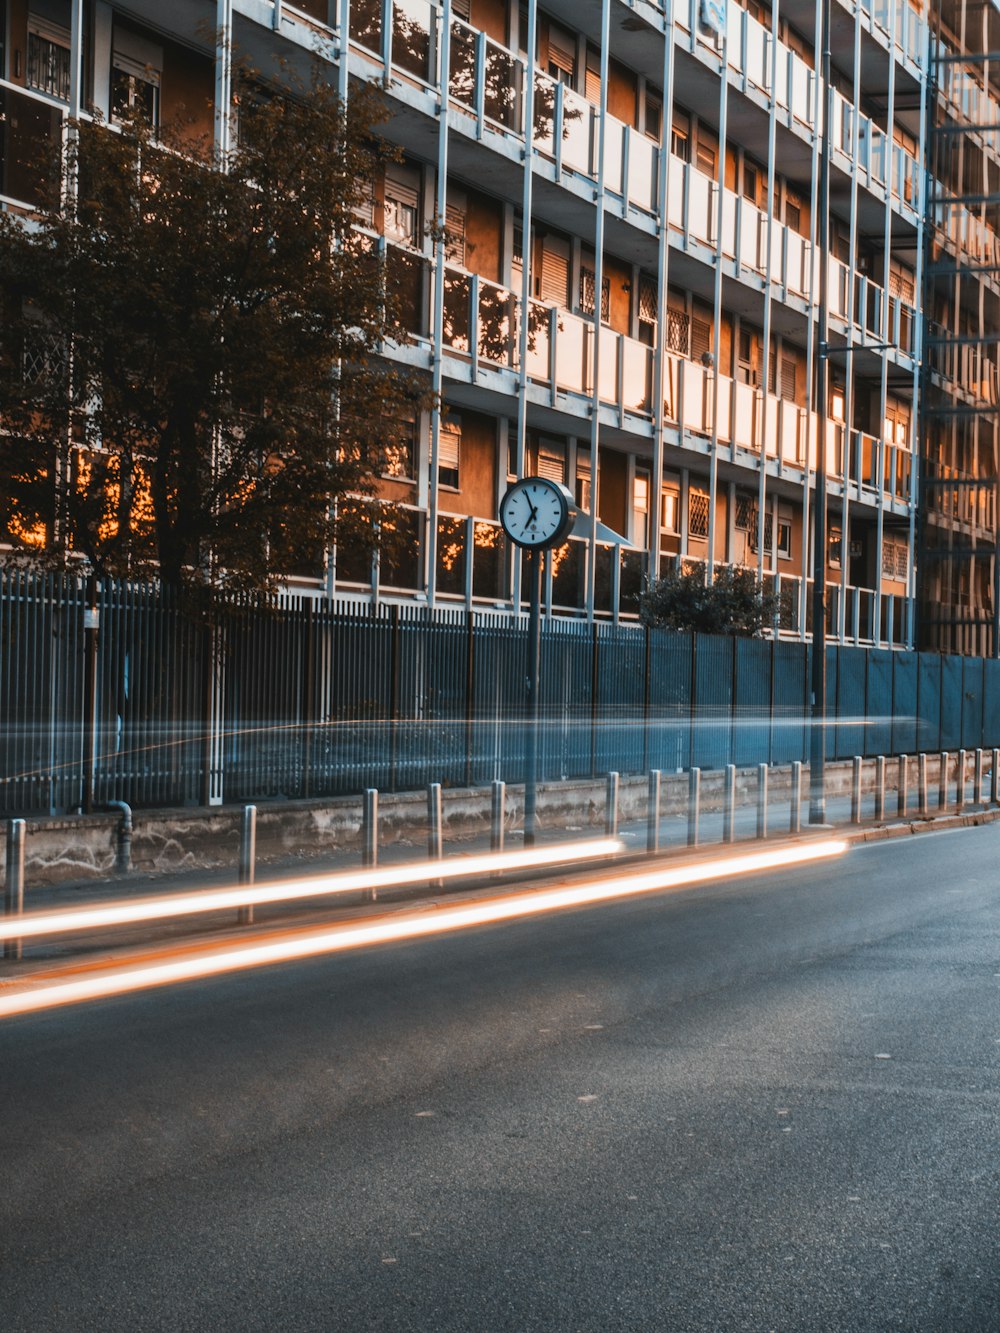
732	604
190	368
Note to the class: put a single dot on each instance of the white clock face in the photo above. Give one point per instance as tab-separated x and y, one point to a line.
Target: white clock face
534	512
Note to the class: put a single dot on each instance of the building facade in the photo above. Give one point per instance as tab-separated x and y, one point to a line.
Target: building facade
606	231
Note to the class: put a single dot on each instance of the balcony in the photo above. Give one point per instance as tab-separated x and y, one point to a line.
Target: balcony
30	133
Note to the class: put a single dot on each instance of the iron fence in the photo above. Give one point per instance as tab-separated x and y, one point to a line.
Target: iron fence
110	692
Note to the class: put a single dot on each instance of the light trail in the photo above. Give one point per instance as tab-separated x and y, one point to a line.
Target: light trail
426	922
62	921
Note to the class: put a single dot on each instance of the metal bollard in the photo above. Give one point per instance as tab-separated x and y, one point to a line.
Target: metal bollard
977	790
498	812
922	784
369	829
995	779
653	811
729	805
795	812
694	805
435	835
611	807
902	786
762	800
856	789
960	781
880	787
14	896
942	779
248	858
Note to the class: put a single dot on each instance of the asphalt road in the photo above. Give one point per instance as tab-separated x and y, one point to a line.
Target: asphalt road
769	1104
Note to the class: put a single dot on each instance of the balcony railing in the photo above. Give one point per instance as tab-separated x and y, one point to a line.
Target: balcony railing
30	134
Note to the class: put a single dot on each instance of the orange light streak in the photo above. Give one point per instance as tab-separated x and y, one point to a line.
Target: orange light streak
63	921
420	924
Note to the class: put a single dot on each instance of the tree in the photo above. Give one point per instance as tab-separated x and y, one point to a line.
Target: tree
190	378
733	603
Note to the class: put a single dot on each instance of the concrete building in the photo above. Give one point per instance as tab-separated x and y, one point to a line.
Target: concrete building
626	295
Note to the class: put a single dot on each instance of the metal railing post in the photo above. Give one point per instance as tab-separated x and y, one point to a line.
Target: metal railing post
995	779
14	895
880	787
611	807
653	811
435	835
729	805
248	858
978	789
922	782
369	828
694	805
498	811
856	789
960	781
942	779
795	804
902	791
762	800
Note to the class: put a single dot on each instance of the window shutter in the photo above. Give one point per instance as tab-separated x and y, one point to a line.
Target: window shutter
555	277
462	9
701	339
788	376
455	235
562	49
551	463
448	443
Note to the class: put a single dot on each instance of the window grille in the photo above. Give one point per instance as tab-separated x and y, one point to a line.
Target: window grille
43	358
698	513
746	512
48	64
647	300
678	332
587	281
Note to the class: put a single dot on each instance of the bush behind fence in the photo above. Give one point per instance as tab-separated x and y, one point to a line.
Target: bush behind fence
303	698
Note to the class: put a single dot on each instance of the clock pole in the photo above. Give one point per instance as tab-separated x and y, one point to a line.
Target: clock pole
534	559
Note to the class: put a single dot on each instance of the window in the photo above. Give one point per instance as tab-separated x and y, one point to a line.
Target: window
647	310
400	451
402	214
697	513
448	450
670	510
587	281
789	376
749	181
701	339
680	138
706	158
462	9
654	117
784	532
583	479
678	331
48	58
895	559
455	235
640	508
553	285
562	55
364	205
552	462
592	77
793	214
834	545
134	92
747	357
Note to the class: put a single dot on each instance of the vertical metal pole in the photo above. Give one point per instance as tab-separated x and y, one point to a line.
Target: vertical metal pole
611	806
14	895
729	804
762	800
901	787
856	789
91	623
369	828
435	836
960	781
942	779
880	787
978	790
922	780
995	779
653	811
498	812
248	858
694	805
534	563
795	804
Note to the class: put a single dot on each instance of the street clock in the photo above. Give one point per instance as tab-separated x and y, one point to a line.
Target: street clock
537	513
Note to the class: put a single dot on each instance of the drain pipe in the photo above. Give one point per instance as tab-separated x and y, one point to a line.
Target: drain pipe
124	857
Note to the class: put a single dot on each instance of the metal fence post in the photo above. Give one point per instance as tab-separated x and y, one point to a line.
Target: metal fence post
978	789
856	789
694	805
902	791
762	800
922	781
729	804
942	779
611	807
880	787
435	836
995	779
14	896
248	858
653	811
498	812
795	804
960	783
369	828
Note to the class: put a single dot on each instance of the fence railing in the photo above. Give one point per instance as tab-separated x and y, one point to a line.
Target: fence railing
303	698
